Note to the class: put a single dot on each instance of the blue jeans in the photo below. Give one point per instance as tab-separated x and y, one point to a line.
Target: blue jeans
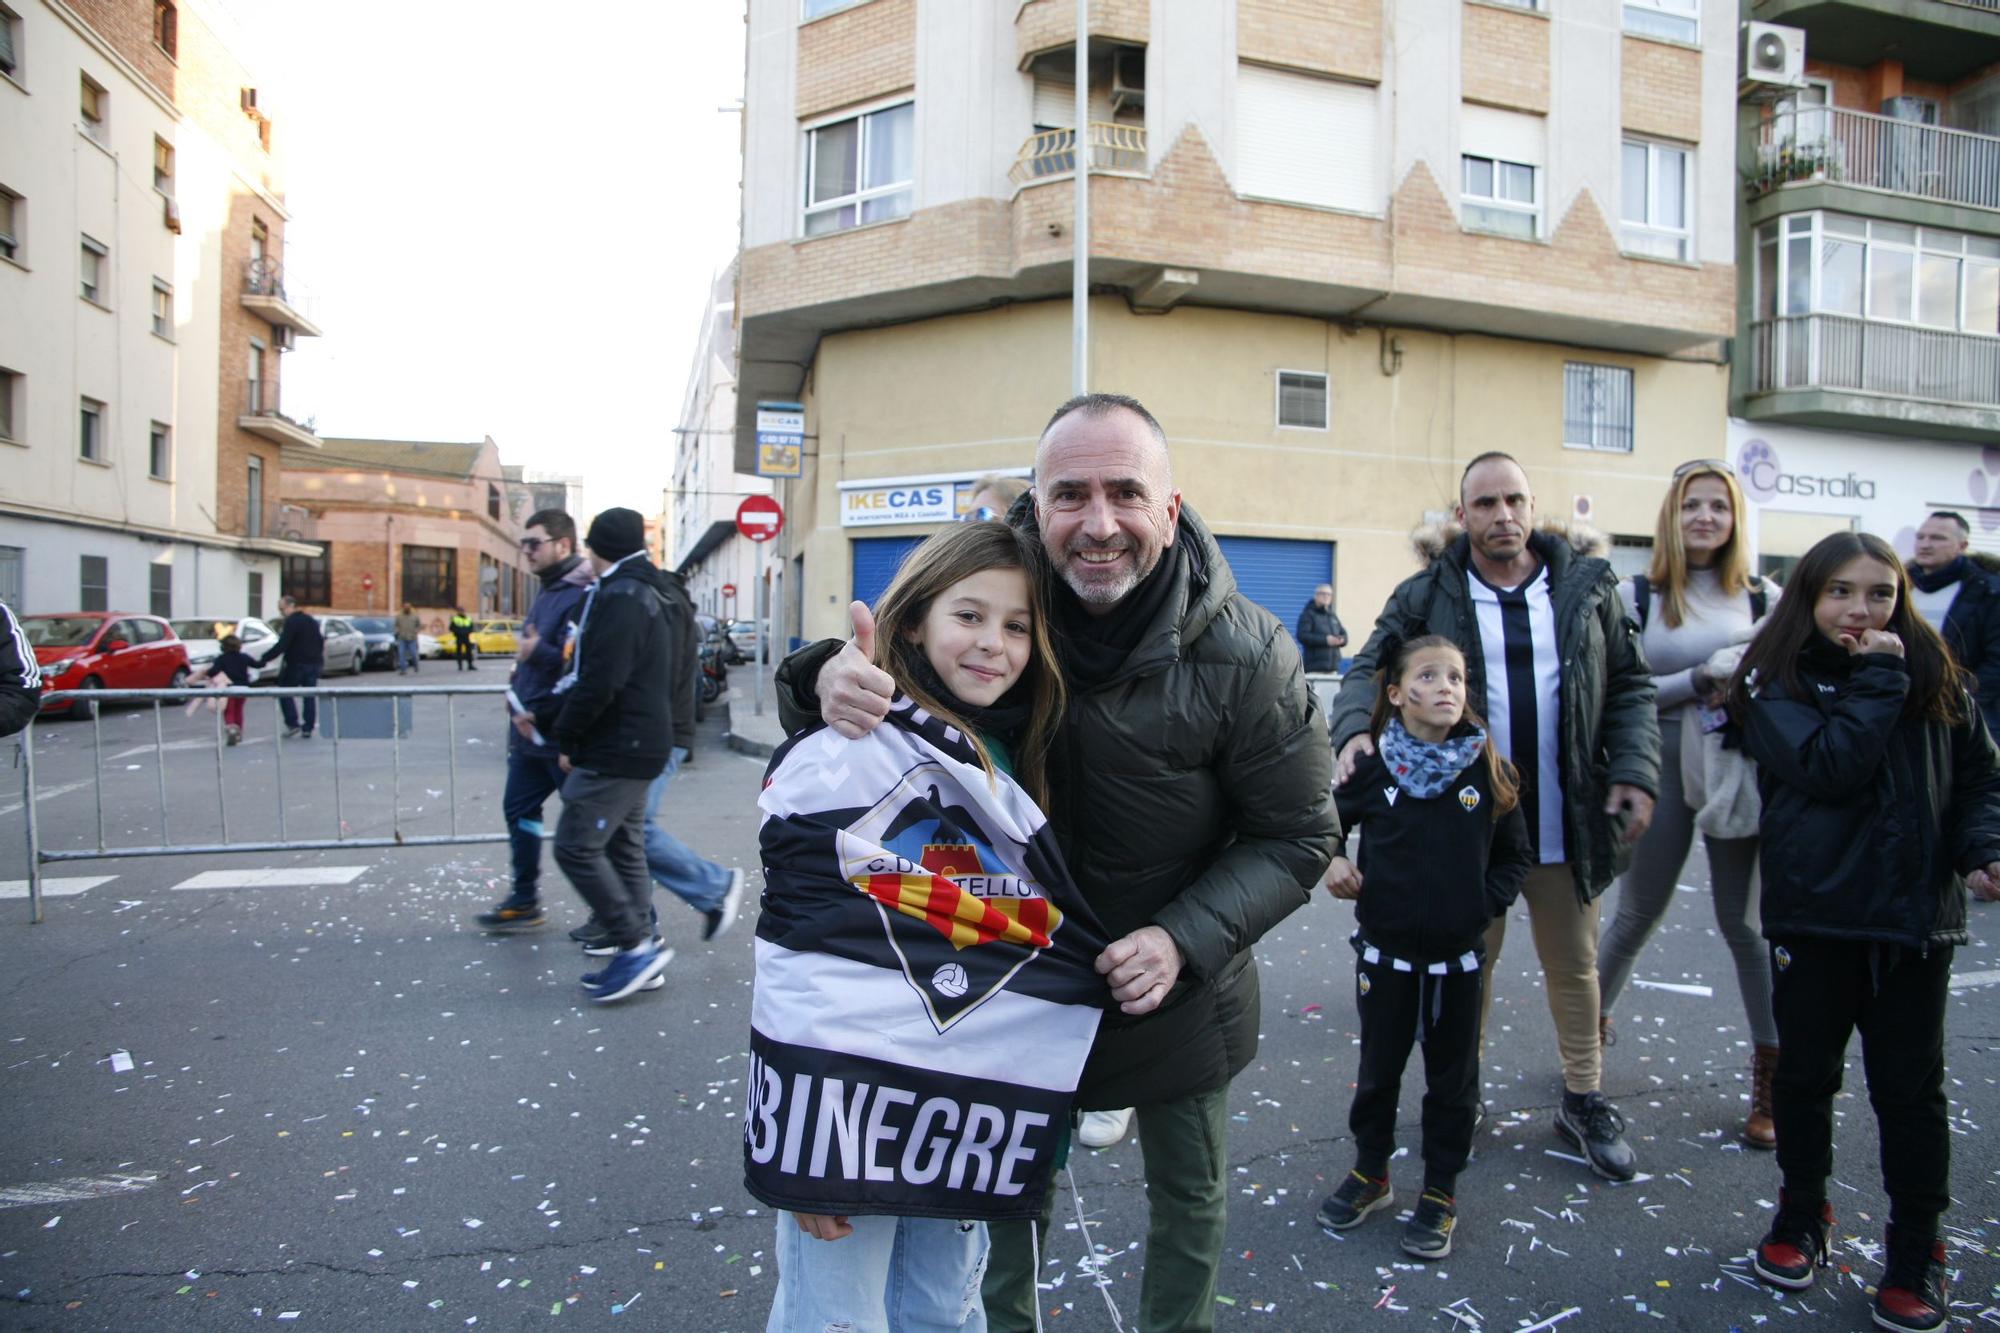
305	674
406	654
531	780
674	866
894	1273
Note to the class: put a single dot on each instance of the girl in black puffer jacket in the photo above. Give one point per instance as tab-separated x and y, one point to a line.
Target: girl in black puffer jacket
1880	788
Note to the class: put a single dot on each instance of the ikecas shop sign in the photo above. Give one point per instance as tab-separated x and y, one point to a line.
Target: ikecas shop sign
879	506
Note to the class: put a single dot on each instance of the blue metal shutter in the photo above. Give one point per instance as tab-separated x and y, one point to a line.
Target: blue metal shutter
1277	574
876	560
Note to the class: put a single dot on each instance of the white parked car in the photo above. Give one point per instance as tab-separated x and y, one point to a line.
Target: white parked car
346	646
428	646
204	642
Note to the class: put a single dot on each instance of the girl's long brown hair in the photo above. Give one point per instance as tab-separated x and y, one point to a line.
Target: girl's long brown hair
957	553
1669	573
1937	685
1500	774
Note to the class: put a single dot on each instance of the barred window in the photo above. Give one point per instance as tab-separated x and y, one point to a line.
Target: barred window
430	576
1597	407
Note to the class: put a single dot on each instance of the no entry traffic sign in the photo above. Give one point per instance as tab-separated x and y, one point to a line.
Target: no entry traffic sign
759	518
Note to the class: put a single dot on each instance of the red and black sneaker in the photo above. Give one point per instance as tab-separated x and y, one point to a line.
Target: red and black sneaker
1912	1294
1796	1245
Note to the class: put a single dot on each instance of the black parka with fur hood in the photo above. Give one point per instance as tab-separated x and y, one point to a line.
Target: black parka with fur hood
1610	727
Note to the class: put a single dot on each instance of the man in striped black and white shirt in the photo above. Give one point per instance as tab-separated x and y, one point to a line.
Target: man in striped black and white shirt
1555	667
20	677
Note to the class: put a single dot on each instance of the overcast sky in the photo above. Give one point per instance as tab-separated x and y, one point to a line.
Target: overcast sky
508	216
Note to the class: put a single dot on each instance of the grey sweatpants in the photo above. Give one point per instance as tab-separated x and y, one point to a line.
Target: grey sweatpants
1647	889
601	846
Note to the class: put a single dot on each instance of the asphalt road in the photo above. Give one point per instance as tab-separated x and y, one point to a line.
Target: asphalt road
347	1107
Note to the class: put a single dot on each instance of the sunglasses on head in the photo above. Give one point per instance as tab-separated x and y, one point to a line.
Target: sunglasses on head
1704	465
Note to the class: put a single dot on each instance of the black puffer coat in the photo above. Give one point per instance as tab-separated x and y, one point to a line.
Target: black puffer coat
1189	791
1868	817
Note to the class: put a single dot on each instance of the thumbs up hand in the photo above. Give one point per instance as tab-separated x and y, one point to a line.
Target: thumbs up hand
854	693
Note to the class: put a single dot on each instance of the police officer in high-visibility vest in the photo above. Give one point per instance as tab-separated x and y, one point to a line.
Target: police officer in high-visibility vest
461	630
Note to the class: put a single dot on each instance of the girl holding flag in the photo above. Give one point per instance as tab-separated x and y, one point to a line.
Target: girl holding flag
925	990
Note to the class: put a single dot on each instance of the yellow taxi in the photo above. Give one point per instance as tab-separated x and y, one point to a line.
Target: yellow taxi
497	638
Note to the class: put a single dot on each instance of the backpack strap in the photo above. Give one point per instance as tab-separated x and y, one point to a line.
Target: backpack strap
1642	599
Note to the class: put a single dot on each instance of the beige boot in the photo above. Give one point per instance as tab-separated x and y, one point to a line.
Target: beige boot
1759	1131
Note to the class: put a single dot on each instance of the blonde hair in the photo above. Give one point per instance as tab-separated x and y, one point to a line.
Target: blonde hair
1009	489
1669	572
954	554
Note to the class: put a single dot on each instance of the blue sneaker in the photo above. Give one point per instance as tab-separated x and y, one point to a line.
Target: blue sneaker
629	972
595	980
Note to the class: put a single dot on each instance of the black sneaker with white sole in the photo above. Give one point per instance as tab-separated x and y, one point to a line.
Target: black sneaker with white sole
1427	1235
1595	1128
1357	1197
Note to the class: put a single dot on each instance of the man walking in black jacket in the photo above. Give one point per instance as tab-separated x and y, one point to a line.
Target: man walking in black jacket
613	724
303	647
20	676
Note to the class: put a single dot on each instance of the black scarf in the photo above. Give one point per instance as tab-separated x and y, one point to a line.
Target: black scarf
1933	580
559	571
1004	720
1093	648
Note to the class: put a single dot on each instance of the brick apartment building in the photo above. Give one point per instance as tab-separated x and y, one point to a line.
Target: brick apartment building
1335	259
1867	365
142	226
437	525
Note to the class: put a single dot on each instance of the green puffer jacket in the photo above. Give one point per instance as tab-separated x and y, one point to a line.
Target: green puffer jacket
1610	728
1189	791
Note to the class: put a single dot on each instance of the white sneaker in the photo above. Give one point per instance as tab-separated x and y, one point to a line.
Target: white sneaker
1101	1129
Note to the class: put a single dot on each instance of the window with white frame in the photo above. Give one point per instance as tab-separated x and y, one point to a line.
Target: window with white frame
163	310
1501	197
1885	272
1655	210
12	206
812	9
163	166
1675	20
1309	140
160	451
90	431
90	277
10	404
10	43
1597	407
1500	171
1302	400
861	169
92	104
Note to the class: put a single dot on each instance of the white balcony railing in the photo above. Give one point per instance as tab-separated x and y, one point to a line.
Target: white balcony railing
1867	356
1051	153
1877	153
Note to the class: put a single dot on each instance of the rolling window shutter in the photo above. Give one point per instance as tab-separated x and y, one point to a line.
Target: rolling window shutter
1308	140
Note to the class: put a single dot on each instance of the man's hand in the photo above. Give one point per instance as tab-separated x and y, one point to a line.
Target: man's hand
1985	883
854	693
1350	757
1636	804
823	1226
1343	880
562	762
1141	968
524	723
530	640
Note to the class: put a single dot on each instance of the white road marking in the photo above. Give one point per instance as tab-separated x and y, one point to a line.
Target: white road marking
48	794
1967	980
54	888
72	1188
1678	988
272	878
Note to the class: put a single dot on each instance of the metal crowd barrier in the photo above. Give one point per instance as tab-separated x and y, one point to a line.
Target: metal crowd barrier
331	699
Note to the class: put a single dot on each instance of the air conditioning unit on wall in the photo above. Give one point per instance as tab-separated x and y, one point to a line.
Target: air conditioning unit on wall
1771	63
282	337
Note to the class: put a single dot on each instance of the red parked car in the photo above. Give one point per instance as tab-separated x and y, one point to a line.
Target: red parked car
104	650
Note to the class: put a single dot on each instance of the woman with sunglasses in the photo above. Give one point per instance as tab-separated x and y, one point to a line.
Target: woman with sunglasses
1699	596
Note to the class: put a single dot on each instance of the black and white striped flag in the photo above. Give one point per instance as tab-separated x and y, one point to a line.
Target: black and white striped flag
925	995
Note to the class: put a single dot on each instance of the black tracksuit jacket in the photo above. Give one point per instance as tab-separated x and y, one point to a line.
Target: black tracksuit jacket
1435	872
618	718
